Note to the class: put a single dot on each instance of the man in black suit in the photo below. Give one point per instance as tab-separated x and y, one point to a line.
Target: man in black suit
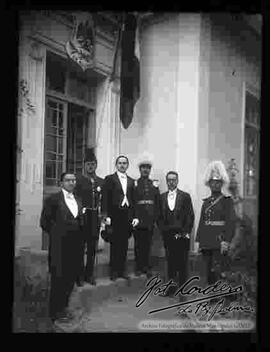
119	211
61	219
88	189
176	223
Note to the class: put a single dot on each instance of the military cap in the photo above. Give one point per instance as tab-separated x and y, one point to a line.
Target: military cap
90	155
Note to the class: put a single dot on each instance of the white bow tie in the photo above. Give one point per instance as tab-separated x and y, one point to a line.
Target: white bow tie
123	176
70	196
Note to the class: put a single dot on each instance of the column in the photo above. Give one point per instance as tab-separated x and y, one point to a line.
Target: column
31	139
187	105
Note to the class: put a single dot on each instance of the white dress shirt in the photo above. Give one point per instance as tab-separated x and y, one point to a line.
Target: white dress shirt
123	180
172	199
71	202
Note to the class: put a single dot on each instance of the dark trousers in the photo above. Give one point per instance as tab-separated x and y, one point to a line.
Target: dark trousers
142	246
91	244
119	242
177	251
211	258
61	288
90	241
62	284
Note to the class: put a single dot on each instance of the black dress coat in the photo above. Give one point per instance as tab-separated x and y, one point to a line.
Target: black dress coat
113	195
65	234
183	211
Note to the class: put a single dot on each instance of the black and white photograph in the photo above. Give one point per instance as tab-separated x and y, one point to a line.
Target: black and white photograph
137	172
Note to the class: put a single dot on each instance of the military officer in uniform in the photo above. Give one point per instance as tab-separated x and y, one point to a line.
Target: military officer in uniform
147	200
89	188
217	220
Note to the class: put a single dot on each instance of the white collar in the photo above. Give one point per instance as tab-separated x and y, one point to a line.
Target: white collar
121	174
67	194
173	192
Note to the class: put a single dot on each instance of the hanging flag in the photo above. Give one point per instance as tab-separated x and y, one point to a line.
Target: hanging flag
81	47
107	86
130	69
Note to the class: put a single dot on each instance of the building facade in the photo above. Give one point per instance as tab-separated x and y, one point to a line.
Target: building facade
199	101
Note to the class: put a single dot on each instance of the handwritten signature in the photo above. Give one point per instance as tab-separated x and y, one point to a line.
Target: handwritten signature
219	289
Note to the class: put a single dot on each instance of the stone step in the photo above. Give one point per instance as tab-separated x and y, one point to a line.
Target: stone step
88	296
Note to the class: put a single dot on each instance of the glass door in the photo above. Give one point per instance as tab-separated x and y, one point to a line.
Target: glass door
77	137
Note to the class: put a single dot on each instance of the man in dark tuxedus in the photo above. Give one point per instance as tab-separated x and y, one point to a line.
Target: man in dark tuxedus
176	223
119	211
147	203
61	219
88	189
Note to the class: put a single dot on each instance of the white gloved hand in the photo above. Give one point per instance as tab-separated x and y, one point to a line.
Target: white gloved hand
224	247
108	221
135	222
83	210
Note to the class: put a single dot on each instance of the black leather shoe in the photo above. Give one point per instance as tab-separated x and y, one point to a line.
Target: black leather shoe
181	298
64	320
149	274
79	283
59	316
91	280
113	277
170	291
138	272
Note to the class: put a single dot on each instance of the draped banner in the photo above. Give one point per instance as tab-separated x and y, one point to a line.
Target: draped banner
81	47
130	69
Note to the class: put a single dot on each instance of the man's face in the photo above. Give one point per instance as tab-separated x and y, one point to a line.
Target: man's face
69	182
145	170
122	164
215	185
172	181
90	167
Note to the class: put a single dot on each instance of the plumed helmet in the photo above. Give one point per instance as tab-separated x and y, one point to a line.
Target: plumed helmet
216	171
145	159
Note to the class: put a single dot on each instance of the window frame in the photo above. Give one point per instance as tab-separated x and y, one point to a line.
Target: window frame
255	94
65	99
250	202
48	189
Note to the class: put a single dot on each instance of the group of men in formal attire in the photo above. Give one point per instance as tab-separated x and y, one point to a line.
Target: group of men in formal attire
123	207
